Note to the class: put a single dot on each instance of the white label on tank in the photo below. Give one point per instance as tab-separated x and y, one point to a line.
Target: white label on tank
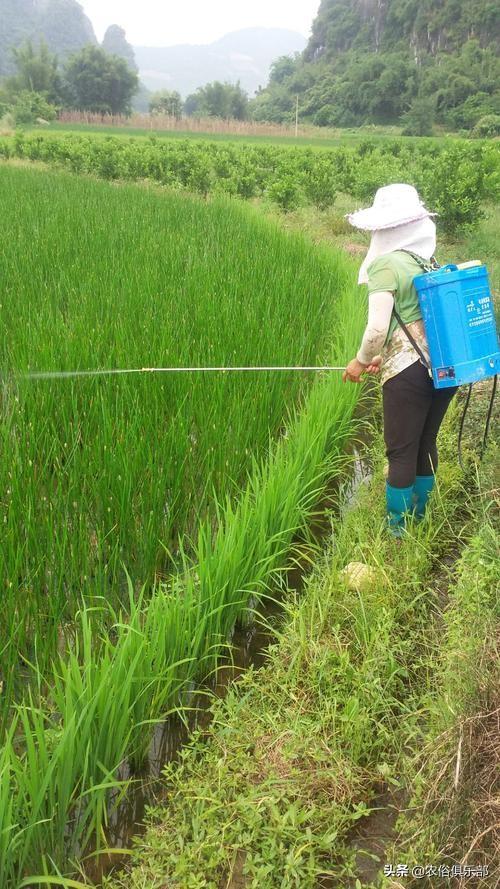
479	310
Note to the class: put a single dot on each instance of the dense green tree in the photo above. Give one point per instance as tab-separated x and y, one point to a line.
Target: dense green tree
100	82
419	119
217	99
276	106
474	108
37	72
35	90
192	104
224	100
166	102
283	67
238	103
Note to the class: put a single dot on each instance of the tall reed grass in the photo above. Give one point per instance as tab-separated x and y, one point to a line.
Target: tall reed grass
167	123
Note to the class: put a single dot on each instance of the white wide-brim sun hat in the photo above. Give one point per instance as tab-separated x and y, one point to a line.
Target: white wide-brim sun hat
393	205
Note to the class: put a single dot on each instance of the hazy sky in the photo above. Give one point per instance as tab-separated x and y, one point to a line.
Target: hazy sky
162	23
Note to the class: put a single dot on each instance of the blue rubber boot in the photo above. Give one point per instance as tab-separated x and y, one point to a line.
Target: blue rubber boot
399	507
421	493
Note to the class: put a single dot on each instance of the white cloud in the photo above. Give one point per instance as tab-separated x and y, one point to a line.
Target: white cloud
157	23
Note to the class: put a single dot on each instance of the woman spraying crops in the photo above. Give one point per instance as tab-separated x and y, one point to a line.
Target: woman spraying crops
402	232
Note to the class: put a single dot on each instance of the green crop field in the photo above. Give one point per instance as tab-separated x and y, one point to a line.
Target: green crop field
104	278
233	654
140	513
102	130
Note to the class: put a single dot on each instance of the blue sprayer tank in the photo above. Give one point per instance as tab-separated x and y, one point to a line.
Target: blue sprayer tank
457	309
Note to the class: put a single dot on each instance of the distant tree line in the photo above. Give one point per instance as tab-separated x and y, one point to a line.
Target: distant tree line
97	80
385	88
90	80
223	100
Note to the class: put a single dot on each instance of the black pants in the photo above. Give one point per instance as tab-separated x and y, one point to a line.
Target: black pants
413	413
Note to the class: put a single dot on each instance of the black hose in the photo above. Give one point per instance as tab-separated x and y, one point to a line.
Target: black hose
490	412
487	426
462	424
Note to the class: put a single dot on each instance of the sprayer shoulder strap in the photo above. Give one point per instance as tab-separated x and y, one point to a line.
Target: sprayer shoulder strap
426	267
430	265
412	340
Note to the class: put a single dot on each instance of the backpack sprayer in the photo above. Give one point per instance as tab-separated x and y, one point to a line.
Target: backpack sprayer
459	320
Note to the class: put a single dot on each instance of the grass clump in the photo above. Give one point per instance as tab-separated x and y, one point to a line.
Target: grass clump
453	777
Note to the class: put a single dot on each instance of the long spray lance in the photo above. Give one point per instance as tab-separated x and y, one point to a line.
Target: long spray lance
65	374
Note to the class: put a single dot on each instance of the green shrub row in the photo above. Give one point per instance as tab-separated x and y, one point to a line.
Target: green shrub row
453	179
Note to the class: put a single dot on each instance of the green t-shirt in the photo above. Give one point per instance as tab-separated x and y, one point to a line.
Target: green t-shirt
395	272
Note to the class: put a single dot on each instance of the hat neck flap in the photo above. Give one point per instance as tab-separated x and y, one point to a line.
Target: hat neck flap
418	237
